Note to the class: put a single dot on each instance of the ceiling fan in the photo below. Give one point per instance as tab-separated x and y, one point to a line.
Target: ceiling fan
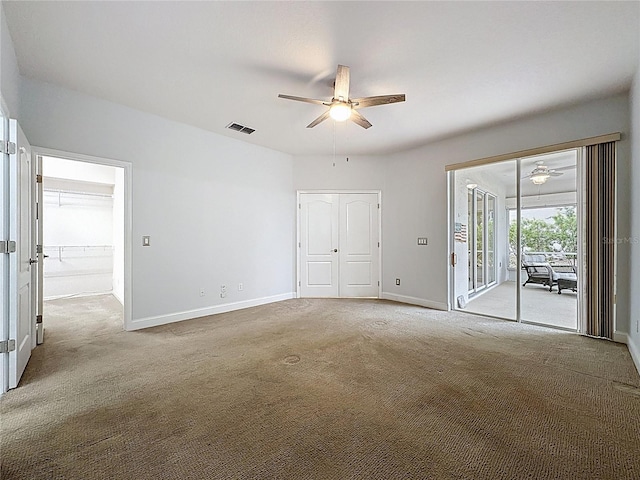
542	173
341	107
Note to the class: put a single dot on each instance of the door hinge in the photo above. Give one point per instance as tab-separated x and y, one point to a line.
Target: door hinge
378	244
38	178
299	205
7	346
378	282
38	248
8	147
378	206
454	259
38	319
7	246
299	245
299	284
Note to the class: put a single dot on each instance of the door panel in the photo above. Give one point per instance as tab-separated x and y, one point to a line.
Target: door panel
318	240
20	275
4	259
359	270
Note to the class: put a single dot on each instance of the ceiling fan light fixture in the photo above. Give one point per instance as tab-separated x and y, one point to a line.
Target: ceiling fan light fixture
340	111
341	106
539	178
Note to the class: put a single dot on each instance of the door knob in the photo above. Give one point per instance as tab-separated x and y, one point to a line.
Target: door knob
32	261
335	250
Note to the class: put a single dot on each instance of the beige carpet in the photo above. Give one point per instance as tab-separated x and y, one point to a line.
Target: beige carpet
320	389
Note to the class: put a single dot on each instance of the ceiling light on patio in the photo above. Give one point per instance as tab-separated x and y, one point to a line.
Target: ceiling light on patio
471	185
538	178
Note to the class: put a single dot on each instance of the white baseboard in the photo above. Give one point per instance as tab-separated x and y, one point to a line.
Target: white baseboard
78	295
118	297
415	301
634	350
203	312
620	338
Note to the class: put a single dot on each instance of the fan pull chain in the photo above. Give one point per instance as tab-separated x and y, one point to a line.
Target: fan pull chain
334	143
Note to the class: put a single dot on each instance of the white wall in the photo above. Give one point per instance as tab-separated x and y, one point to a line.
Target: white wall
78	231
219	211
634	309
9	74
415	192
74	170
358	173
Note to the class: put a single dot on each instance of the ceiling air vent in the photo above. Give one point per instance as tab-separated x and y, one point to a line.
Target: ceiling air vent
240	128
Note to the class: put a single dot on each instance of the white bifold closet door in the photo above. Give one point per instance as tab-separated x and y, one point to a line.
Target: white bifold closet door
339	245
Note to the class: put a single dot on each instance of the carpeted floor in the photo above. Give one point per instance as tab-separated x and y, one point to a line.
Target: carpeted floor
320	389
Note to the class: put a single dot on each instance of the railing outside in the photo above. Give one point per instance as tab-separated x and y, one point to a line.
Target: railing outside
555	259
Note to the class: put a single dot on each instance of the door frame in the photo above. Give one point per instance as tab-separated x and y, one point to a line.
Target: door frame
331	192
38	152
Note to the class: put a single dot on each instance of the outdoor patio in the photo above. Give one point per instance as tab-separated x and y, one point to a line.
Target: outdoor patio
537	303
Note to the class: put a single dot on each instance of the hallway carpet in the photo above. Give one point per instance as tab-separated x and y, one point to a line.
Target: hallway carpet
319	389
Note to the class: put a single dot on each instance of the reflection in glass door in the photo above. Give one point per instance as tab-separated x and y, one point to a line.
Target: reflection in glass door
479	240
491	241
481	221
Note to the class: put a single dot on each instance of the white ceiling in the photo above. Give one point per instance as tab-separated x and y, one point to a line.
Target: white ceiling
462	65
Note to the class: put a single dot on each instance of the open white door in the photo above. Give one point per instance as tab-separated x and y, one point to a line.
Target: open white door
4	253
359	245
319	245
21	300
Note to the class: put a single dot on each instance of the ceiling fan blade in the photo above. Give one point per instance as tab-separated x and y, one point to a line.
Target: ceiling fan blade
342	83
568	167
553	173
379	100
318	120
303	99
359	119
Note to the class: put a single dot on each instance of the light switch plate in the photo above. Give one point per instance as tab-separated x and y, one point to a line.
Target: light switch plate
146	240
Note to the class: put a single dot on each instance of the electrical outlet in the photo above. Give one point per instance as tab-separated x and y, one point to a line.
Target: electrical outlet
422	241
397	281
202	292
240	287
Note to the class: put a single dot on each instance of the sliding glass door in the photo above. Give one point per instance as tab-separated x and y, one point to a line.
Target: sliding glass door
506	216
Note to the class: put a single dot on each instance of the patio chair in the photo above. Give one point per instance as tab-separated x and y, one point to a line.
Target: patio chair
541	272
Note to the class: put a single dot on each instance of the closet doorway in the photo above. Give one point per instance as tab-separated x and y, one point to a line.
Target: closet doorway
83	233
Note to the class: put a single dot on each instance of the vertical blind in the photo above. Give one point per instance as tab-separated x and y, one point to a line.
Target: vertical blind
600	239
